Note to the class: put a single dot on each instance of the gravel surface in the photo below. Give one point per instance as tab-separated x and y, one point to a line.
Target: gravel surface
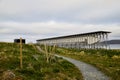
88	71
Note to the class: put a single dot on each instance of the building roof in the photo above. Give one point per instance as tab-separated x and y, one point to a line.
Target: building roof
82	34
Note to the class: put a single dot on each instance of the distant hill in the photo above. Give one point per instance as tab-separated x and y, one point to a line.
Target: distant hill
112	42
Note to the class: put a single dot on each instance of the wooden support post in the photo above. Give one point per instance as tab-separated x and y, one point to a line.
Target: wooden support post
21	66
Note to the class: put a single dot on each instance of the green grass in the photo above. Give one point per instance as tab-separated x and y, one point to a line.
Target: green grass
108	61
35	66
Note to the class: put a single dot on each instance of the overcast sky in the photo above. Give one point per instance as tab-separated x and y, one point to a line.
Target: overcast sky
38	19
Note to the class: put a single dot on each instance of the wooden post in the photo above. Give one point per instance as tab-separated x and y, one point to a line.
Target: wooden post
21	66
46	53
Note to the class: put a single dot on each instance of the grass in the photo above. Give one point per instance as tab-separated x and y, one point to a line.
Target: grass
35	66
108	61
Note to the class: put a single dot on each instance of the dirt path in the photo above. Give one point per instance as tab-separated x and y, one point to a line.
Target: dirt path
89	72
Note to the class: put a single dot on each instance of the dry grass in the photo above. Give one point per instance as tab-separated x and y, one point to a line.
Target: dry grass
35	66
108	61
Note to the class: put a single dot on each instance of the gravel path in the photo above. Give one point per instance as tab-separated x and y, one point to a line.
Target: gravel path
88	71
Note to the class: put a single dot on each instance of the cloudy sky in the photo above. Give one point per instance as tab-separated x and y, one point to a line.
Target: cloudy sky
38	19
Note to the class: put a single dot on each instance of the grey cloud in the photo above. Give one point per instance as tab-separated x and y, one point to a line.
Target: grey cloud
84	11
53	27
47	18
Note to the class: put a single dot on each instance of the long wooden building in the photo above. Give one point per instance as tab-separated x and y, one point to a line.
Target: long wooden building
85	40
